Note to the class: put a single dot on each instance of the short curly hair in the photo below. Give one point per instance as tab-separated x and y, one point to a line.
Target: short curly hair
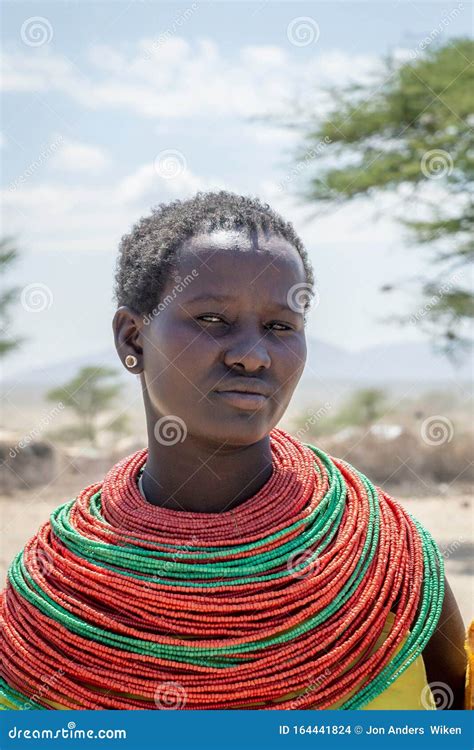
147	254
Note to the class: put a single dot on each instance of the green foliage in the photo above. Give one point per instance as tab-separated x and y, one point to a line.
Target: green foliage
412	133
8	255
316	422
362	409
90	394
119	425
69	434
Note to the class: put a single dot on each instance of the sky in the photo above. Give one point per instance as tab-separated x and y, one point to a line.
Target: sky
111	108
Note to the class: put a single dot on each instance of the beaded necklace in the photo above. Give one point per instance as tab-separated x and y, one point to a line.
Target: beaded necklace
140	483
239	609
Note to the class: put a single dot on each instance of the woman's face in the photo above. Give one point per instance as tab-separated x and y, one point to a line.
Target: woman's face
197	345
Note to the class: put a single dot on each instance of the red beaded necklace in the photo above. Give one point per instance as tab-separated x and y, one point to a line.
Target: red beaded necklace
285	595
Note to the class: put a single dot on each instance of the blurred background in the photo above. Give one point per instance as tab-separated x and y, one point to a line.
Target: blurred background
354	120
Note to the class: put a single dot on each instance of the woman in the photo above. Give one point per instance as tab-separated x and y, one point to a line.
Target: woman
228	565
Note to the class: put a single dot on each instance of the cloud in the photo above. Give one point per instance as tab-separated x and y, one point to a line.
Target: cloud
276	138
71	217
179	79
44	71
58	216
264	55
173	180
353	223
167	79
74	156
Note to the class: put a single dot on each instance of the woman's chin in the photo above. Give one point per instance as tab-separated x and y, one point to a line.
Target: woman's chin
239	431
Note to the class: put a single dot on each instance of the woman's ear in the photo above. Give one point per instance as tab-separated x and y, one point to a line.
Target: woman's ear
127	327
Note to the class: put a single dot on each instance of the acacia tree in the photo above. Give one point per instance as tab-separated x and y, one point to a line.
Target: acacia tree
8	255
91	394
412	134
363	408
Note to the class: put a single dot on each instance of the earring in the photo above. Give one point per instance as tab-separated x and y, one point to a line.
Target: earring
130	360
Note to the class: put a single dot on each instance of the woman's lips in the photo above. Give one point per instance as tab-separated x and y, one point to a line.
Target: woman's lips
242	400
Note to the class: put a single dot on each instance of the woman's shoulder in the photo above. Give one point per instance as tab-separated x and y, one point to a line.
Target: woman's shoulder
445	655
410	691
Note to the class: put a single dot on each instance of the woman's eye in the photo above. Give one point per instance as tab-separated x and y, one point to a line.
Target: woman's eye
216	317
283	326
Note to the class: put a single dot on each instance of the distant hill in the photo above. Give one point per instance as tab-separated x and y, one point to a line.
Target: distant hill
385	363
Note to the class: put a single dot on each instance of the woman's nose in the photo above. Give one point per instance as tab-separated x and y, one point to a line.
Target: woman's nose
249	350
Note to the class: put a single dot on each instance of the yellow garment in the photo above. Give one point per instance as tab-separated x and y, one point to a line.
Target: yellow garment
409	691
469	648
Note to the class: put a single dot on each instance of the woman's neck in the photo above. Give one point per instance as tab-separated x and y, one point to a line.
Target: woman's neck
200	478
